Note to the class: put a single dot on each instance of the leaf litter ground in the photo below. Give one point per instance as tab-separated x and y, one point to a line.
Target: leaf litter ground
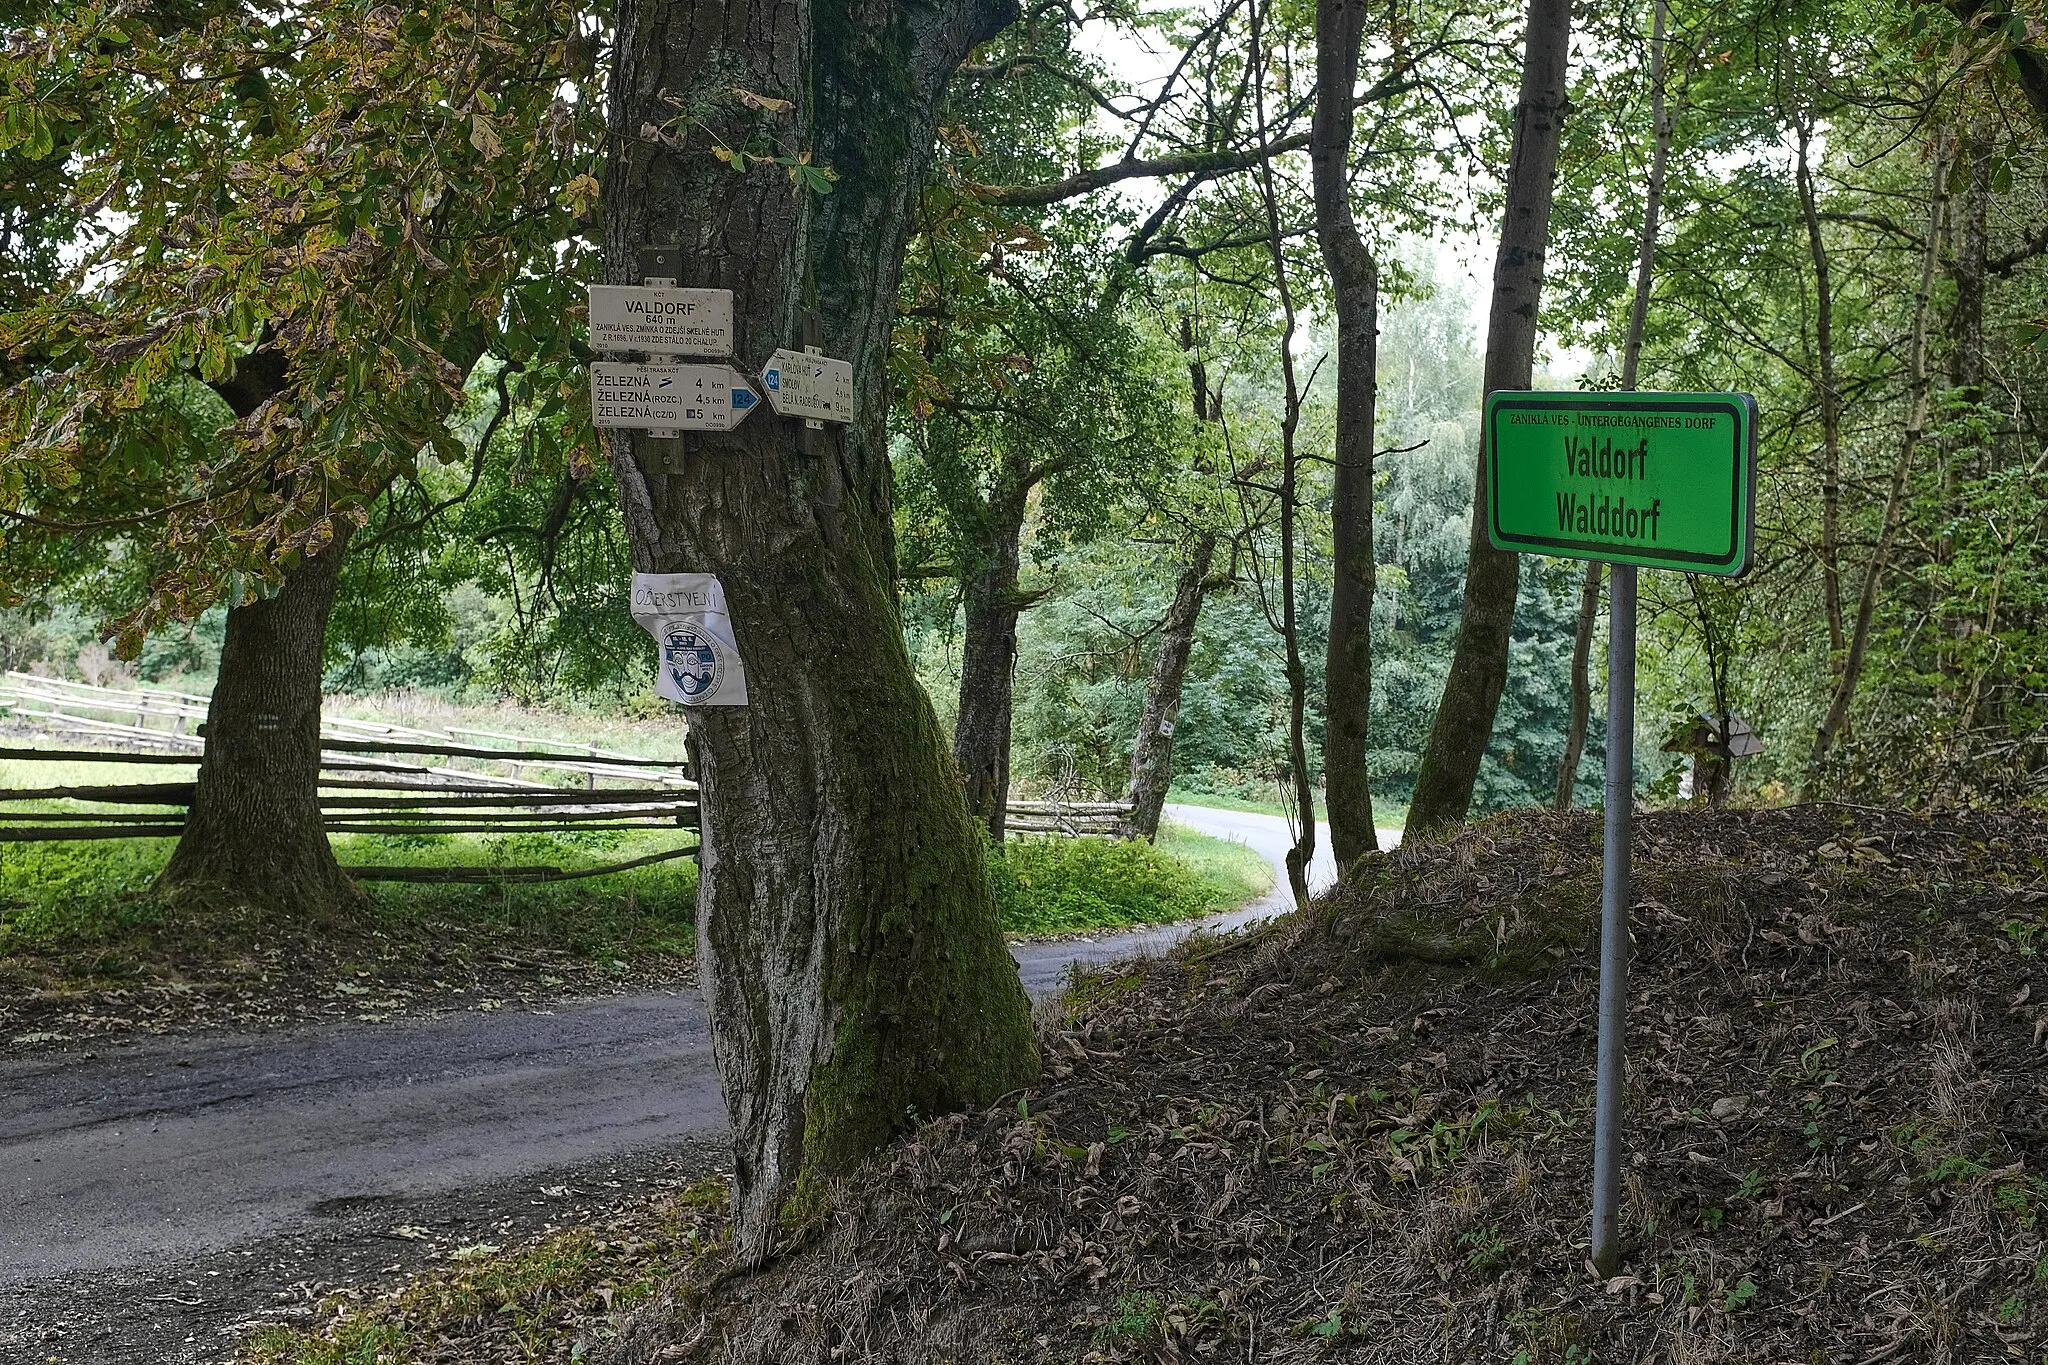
1367	1132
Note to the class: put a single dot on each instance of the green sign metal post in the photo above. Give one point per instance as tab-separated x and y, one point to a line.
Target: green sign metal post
1649	480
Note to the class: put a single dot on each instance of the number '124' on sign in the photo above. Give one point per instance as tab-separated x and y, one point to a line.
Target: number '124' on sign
1659	480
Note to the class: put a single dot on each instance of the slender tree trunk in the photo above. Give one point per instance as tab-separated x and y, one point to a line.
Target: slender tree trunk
1837	714
988	669
1354	284
253	838
1464	716
1152	754
1152	750
1631	362
1302	854
852	959
1830	405
1582	685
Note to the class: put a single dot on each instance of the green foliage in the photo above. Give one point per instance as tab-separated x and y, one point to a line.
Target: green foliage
1050	884
357	207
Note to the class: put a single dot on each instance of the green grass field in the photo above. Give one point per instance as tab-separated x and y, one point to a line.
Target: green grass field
82	910
1050	885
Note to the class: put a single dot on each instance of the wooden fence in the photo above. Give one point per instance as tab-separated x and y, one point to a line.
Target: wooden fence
380	779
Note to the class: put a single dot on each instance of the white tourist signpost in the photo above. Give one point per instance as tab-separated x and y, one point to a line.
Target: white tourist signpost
663	398
659	320
805	384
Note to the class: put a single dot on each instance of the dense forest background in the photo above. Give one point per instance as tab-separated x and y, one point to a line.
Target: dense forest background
1851	230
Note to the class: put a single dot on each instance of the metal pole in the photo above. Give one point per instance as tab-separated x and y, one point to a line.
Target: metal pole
1614	898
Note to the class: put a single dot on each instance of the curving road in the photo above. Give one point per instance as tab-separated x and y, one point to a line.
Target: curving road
175	1148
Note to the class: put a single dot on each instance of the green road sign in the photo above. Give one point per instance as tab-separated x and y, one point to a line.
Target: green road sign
1660	480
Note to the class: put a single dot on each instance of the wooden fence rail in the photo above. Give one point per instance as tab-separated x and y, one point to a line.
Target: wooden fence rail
367	786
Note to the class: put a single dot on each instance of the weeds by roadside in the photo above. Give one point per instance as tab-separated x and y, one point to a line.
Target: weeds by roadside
544	1300
1046	884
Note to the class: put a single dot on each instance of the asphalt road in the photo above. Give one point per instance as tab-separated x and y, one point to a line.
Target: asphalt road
167	1149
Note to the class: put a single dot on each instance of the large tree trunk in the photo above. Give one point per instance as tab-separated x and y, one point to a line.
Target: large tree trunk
254	839
1354	284
1631	363
851	954
988	660
1479	667
1152	753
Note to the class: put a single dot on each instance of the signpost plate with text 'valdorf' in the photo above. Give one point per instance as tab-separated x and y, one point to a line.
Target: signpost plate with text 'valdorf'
1659	480
660	320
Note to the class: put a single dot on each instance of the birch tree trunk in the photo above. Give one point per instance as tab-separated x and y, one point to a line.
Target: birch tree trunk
1479	666
1354	285
852	960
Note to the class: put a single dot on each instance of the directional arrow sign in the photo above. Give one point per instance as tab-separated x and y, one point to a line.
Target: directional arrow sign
801	385
669	397
660	320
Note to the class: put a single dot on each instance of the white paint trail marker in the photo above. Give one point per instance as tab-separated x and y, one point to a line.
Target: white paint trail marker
814	386
669	398
660	320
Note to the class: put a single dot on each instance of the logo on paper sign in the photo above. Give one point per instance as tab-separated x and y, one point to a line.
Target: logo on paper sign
692	662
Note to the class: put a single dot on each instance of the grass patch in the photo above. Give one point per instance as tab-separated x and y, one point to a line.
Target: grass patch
1237	873
1385	815
84	908
478	1302
1047	884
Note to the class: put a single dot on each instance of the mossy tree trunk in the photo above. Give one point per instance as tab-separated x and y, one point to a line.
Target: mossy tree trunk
1479	663
253	840
851	953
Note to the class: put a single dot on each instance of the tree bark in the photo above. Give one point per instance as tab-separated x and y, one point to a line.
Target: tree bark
852	958
1830	404
981	734
1354	285
253	838
1301	855
1837	714
1152	753
1152	750
1631	363
1464	717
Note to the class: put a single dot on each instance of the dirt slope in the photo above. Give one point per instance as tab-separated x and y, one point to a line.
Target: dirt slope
1369	1135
